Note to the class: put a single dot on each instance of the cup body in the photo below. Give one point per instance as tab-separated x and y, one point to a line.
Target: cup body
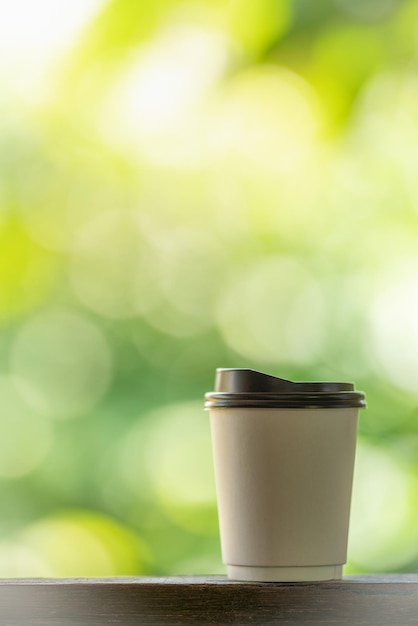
284	480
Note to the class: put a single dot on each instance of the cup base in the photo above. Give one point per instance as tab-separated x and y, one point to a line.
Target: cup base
285	574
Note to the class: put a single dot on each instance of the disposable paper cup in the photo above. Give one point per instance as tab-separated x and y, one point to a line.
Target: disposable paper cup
284	459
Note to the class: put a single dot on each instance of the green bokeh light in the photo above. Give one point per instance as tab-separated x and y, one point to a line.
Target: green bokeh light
185	186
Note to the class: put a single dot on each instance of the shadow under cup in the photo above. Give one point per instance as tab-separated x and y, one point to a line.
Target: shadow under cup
284	460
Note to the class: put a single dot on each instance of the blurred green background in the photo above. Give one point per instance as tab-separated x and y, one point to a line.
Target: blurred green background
185	186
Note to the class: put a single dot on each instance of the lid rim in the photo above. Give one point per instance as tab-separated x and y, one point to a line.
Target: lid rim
347	399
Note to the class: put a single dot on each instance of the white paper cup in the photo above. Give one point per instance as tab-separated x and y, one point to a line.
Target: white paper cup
284	478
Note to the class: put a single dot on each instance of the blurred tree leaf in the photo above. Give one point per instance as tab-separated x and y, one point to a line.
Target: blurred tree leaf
257	24
343	58
119	27
26	270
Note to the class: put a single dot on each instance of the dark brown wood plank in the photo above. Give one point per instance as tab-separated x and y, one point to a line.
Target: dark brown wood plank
360	601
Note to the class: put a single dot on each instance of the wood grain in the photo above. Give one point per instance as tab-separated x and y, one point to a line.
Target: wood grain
355	601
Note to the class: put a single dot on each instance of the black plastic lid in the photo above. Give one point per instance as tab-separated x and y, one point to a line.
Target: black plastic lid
238	387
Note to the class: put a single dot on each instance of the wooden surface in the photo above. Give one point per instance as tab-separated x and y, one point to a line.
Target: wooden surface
354	601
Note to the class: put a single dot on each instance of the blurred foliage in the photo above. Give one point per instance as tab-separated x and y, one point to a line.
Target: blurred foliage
184	186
